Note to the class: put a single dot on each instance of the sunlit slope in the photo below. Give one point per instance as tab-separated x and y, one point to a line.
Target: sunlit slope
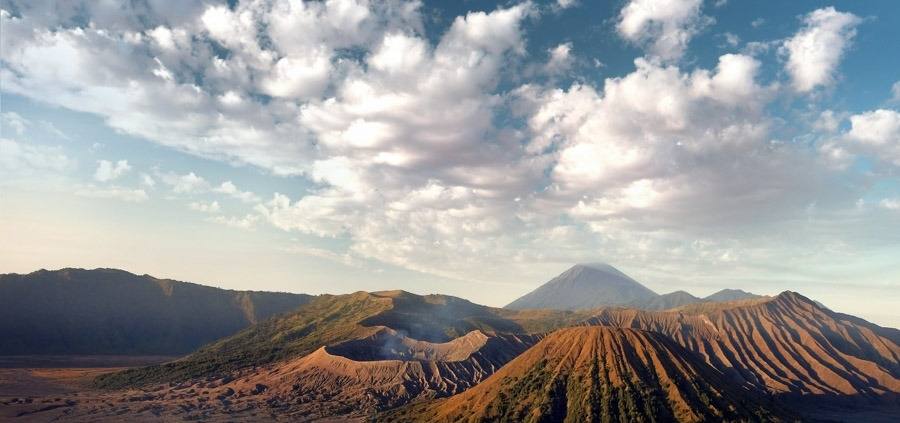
599	374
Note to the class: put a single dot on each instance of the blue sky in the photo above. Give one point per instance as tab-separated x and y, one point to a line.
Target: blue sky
469	148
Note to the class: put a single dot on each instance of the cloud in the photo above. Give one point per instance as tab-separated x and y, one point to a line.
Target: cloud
246	222
147	180
17	158
877	133
895	92
890	203
560	59
634	155
814	52
108	171
228	188
143	80
112	192
188	183
664	26
211	207
14	121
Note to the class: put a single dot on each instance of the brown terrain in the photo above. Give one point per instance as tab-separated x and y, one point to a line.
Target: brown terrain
32	383
359	355
600	374
354	379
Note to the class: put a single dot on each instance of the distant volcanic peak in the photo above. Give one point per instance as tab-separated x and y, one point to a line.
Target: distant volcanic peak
729	294
594	374
585	286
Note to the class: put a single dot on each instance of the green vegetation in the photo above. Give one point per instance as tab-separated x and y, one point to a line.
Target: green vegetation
330	319
326	320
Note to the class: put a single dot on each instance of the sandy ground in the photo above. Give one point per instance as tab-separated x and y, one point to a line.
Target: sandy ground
39	388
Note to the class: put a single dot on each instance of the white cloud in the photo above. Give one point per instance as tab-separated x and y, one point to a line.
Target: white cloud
560	59
816	50
565	4
895	92
731	39
211	207
185	184
890	203
14	121
828	121
246	222
113	192
665	26
877	133
21	157
228	188
108	171
147	180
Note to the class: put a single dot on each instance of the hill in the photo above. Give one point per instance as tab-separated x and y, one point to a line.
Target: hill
333	319
731	295
585	286
667	301
785	345
108	311
600	374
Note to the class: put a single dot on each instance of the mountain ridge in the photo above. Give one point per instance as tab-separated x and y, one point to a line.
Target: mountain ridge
112	311
595	285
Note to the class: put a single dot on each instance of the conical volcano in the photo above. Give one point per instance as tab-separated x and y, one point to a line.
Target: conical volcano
586	286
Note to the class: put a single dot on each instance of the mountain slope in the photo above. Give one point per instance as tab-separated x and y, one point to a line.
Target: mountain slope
333	319
585	286
667	301
731	295
786	345
108	311
349	380
599	373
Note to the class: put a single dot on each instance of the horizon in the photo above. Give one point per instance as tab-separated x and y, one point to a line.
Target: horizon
423	293
473	150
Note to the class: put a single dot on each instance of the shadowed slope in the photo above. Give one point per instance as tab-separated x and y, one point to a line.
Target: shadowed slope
108	311
598	373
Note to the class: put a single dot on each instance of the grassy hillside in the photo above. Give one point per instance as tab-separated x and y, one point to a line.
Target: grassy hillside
330	319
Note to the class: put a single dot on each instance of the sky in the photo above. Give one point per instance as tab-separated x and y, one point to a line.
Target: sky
470	148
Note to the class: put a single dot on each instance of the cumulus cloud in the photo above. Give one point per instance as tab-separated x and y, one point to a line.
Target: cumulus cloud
634	151
185	184
107	170
560	59
813	54
411	145
228	188
878	133
895	92
664	26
